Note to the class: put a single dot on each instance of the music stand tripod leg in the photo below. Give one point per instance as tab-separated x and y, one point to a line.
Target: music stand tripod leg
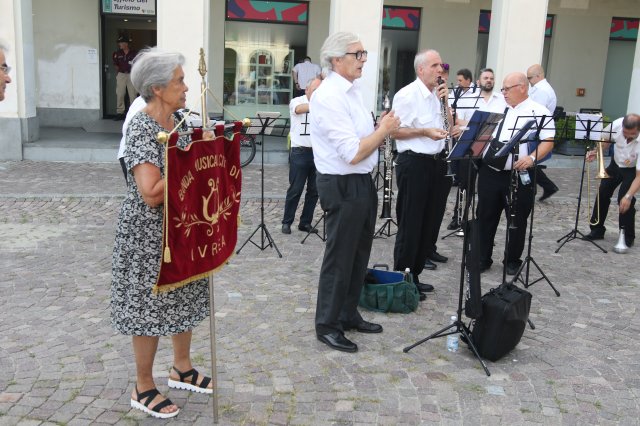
315	226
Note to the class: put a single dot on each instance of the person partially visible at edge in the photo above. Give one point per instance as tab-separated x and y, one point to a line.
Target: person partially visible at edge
302	170
135	309
136	106
622	172
542	92
345	151
4	71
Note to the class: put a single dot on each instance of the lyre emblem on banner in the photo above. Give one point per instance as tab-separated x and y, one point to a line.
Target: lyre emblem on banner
222	210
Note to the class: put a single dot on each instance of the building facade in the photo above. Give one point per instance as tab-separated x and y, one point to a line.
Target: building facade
63	74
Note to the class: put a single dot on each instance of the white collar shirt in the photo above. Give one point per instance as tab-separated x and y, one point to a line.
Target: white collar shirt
300	124
306	71
625	153
418	108
544	94
338	122
137	105
513	122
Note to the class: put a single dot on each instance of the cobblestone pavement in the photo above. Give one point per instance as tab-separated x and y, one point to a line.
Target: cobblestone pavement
61	363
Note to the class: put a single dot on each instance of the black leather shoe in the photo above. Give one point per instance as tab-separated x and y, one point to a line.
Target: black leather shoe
437	257
367	327
629	242
595	234
424	288
512	267
338	342
307	228
429	265
453	225
546	194
286	228
423	296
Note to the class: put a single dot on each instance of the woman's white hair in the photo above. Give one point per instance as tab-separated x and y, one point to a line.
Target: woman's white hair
153	68
335	46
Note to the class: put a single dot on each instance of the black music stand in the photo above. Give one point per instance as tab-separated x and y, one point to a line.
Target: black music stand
267	119
323	237
470	149
588	126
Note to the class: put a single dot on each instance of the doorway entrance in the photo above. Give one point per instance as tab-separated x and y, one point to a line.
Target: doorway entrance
142	33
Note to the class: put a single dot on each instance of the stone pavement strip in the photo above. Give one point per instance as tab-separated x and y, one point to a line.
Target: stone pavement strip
61	363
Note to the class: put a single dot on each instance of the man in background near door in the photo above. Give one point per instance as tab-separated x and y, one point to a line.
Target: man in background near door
302	169
4	71
122	59
542	92
303	73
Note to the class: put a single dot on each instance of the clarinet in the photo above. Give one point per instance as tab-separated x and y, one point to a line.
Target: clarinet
447	127
513	194
388	169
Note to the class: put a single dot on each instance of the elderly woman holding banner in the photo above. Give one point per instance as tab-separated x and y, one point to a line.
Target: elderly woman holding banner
135	309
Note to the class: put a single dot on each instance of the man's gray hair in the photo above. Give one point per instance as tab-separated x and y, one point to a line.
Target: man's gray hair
421	58
3	46
153	68
335	46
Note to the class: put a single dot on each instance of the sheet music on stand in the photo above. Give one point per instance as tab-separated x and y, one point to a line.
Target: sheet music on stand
589	125
520	135
478	134
265	117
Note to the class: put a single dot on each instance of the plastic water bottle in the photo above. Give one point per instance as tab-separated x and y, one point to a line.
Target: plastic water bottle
524	177
452	339
407	275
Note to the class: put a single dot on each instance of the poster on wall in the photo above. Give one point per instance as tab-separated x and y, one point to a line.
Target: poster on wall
129	7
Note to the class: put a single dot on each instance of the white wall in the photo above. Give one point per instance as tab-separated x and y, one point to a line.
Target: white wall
318	28
64	30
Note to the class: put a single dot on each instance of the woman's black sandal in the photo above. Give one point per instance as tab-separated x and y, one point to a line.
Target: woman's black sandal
155	411
193	386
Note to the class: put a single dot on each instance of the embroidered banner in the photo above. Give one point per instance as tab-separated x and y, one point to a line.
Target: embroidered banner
202	200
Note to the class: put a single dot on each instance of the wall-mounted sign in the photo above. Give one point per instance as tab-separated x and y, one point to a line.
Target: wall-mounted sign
624	29
401	18
272	11
129	7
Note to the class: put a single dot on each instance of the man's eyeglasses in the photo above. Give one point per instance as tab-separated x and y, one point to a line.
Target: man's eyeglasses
359	54
5	69
507	88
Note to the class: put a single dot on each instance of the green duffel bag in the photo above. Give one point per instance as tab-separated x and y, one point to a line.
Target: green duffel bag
386	291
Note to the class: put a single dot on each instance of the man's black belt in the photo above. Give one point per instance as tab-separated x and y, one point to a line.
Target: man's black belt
439	156
302	147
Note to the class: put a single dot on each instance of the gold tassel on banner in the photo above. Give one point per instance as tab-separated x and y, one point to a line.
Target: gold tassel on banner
167	255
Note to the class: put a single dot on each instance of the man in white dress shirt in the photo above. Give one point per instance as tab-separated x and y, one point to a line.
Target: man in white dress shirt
303	73
542	92
494	184
421	165
302	170
622	170
345	151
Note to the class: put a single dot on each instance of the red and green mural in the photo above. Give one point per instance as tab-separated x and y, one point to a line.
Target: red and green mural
281	12
485	23
401	18
624	29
